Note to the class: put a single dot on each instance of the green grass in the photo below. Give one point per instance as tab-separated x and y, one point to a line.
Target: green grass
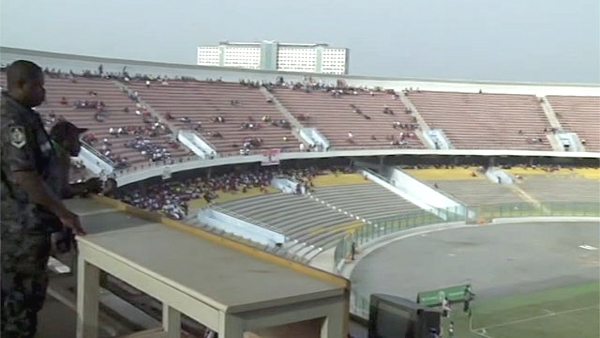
555	313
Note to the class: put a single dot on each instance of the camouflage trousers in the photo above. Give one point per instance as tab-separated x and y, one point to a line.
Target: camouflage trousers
24	281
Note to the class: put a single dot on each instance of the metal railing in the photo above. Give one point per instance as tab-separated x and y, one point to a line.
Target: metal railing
377	228
359	304
98	154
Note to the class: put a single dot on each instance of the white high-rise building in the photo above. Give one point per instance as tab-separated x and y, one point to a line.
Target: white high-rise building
272	55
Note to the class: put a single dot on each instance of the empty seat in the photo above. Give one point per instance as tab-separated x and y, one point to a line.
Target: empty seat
204	101
579	114
485	121
369	201
335	117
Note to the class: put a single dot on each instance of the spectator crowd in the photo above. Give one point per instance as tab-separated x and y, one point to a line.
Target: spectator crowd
172	198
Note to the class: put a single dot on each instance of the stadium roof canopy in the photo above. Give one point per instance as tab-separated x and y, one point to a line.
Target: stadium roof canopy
79	63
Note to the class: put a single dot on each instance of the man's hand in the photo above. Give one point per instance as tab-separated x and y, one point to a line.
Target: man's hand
70	220
39	193
93	185
109	187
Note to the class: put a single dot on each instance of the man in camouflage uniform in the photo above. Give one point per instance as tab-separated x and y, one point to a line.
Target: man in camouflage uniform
25	242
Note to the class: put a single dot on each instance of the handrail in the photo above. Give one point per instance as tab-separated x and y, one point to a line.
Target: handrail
96	153
141	171
199	135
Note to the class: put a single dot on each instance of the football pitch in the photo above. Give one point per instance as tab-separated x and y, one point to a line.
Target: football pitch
564	312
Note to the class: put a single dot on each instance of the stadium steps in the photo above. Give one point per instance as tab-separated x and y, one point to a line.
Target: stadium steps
361	203
314	223
550	113
445	174
468	121
585	173
415	113
579	114
310	226
335	179
124	88
366	201
550	188
326	113
294	215
114	99
201	101
282	109
477	191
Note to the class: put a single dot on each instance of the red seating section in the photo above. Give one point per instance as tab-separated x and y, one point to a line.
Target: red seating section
579	114
114	99
203	101
470	120
334	117
484	121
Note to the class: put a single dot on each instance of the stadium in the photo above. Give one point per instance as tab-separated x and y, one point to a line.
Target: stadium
275	204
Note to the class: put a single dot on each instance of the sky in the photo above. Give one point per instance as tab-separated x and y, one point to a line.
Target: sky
496	40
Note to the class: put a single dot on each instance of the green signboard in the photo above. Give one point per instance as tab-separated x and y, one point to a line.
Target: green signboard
455	294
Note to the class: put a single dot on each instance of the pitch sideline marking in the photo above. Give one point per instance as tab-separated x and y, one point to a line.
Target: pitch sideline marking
480	332
539	317
549	312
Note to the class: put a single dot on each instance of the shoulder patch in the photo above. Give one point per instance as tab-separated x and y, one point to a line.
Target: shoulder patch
17	137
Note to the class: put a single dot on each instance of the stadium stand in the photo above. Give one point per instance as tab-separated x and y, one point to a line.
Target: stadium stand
484	121
114	102
441	173
558	188
361	114
369	201
338	178
475	192
466	184
470	120
579	114
192	102
318	220
587	173
303	220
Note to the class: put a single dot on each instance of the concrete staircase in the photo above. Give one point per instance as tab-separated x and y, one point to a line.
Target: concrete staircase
428	136
123	87
282	109
556	146
550	114
561	137
296	125
414	112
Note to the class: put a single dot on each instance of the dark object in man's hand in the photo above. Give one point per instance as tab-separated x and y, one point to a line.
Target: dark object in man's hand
110	187
64	240
93	186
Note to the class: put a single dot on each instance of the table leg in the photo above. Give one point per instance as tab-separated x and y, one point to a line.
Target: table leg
171	320
88	291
